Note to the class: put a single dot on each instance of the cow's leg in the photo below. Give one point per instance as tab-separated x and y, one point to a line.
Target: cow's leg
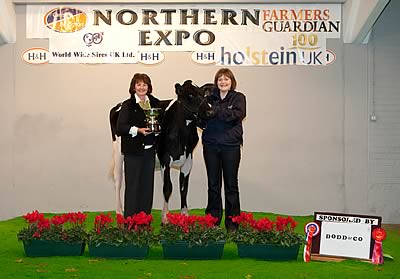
118	173
167	190
184	183
183	189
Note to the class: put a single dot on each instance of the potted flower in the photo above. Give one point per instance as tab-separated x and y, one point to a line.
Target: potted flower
266	239
126	238
60	235
192	237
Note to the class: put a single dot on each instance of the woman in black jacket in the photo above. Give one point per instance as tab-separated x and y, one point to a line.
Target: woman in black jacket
137	145
222	139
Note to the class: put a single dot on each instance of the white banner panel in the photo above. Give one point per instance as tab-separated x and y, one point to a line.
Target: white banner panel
94	48
345	240
89	32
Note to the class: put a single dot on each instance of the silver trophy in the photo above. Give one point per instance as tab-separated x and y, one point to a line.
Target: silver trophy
152	119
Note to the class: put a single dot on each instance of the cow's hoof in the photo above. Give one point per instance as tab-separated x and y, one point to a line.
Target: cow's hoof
185	211
164	218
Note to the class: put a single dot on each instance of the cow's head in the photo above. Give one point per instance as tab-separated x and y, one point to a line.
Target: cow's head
192	98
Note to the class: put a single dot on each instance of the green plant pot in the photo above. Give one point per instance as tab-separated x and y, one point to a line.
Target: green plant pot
273	252
182	250
46	248
113	251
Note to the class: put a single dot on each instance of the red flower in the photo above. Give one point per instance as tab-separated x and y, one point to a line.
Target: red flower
195	229
34	216
188	223
58	220
263	224
244	219
142	218
102	221
53	228
75	217
283	223
43	224
266	231
207	221
120	220
140	221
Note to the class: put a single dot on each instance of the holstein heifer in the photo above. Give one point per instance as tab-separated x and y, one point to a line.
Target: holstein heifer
176	142
178	138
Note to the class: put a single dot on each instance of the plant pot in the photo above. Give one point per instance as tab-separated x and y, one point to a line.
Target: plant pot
268	251
182	250
46	248
113	251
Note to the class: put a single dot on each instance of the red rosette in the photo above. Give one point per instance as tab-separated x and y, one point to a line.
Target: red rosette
311	229
379	234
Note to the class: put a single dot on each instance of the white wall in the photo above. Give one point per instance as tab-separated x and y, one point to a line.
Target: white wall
384	134
8	192
355	72
305	144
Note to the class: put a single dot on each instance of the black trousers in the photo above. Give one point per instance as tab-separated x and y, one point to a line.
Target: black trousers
223	162
139	182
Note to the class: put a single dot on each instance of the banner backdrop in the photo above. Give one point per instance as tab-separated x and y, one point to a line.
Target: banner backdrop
262	35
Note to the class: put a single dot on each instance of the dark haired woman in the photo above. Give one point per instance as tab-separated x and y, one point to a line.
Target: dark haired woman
137	145
222	139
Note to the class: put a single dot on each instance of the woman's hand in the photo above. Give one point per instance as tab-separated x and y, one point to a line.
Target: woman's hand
144	131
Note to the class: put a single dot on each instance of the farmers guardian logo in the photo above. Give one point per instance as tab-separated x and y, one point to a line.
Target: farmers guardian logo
65	20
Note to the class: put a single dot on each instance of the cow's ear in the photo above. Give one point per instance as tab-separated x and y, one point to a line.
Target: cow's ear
187	82
178	89
207	89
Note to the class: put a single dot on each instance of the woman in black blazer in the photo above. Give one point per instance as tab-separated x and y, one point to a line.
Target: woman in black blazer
137	145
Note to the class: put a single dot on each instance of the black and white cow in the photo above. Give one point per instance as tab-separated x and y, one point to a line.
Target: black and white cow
176	142
179	137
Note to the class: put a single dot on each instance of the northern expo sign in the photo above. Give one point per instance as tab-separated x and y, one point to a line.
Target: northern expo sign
267	34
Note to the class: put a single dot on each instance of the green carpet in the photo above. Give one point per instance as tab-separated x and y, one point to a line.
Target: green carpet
14	264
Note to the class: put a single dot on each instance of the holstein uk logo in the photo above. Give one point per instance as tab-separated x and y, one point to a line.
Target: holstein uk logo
65	20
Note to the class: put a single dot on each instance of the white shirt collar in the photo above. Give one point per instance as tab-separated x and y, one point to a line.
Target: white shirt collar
138	99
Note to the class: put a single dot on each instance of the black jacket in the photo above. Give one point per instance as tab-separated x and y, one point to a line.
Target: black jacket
225	128
132	114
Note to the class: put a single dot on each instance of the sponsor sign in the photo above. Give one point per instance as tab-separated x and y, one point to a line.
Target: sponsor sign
345	235
229	35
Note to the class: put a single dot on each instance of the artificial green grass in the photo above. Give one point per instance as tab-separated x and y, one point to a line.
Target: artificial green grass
14	264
